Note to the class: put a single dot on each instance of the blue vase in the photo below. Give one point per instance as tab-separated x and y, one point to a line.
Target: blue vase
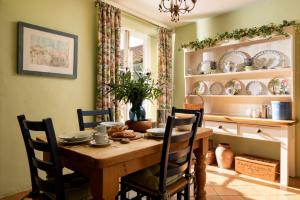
137	113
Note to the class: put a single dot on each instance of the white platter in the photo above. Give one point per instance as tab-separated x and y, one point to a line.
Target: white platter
268	59
156	131
76	136
236	57
75	142
111	124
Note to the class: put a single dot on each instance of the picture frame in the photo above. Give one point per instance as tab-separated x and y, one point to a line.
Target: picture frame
46	52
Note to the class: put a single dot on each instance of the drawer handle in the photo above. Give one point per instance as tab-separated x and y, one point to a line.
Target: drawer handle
258	131
220	127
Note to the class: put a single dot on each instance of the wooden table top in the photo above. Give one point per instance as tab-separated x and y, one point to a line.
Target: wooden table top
117	152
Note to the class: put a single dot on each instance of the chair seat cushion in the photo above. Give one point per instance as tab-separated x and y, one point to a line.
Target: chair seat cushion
76	187
149	178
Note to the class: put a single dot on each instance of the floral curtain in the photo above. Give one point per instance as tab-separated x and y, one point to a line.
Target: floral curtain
165	68
108	54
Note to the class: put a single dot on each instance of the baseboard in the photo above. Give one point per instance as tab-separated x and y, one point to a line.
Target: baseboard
17	196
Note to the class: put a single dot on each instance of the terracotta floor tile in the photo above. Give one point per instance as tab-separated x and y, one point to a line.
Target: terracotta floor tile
232	197
210	191
221	190
213	197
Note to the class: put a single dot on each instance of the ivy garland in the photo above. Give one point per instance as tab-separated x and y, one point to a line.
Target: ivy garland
237	34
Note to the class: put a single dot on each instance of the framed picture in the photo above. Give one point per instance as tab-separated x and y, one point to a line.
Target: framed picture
46	52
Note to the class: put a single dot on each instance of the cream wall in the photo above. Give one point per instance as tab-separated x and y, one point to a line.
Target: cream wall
259	13
40	97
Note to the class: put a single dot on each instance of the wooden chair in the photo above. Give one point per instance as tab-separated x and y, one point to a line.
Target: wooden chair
92	113
172	175
56	185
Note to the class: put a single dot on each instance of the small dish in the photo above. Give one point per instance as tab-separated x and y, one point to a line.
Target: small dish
216	88
254	88
150	135
156	131
233	87
93	143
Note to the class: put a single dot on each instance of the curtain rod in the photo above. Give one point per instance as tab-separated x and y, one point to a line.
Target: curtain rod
129	13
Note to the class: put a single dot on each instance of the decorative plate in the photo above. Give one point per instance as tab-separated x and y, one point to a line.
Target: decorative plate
216	88
111	124
268	59
232	61
255	88
233	87
156	131
200	88
278	86
207	67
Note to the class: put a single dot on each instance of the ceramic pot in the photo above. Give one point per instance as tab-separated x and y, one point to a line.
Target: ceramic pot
224	155
210	157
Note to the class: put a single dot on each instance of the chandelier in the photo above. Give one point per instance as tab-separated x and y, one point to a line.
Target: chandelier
176	7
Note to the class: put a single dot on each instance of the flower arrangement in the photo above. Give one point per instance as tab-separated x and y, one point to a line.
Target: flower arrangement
134	91
237	34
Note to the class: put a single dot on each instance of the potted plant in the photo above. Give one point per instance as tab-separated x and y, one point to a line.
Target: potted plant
135	91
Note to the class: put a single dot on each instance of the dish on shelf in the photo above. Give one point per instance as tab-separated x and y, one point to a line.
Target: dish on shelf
232	61
200	88
278	86
207	67
269	59
255	88
233	87
216	88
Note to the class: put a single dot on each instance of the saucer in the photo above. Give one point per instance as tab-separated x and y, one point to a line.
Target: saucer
93	143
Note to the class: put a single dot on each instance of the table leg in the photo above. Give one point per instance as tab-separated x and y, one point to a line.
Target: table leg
104	184
200	167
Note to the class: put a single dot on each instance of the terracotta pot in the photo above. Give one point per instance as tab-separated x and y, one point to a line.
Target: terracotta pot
210	157
224	155
139	126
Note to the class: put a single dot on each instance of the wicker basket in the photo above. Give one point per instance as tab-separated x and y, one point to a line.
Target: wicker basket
258	167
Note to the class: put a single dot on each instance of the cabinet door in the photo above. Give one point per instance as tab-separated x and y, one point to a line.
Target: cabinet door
222	127
268	133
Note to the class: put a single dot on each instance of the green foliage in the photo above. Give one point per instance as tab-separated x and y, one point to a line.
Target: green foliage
237	34
134	91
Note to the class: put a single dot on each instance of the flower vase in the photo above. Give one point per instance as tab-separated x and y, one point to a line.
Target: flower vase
137	113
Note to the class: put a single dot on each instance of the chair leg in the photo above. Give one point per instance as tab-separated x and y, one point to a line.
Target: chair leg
123	191
187	192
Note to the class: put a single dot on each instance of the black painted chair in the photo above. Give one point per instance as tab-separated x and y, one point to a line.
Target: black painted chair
108	114
172	175
56	185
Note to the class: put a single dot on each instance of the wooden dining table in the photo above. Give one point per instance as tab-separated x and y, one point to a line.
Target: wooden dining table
104	166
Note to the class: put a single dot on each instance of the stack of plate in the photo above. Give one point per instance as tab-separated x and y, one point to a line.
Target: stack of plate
156	132
76	137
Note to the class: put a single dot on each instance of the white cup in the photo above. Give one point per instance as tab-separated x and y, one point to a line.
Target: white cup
101	138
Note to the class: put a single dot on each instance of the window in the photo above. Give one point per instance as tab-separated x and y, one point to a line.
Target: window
135	56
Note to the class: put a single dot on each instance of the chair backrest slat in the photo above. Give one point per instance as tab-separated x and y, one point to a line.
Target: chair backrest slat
175	155
92	113
34	126
178	170
38	145
189	111
181	138
43	165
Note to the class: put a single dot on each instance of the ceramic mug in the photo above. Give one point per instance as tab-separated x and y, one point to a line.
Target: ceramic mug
101	138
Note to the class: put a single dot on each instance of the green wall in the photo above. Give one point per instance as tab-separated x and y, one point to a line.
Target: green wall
39	97
259	13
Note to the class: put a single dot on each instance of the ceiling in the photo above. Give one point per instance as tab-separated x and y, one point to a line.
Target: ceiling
148	9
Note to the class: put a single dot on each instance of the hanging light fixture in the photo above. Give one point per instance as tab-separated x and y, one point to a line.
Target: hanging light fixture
176	7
